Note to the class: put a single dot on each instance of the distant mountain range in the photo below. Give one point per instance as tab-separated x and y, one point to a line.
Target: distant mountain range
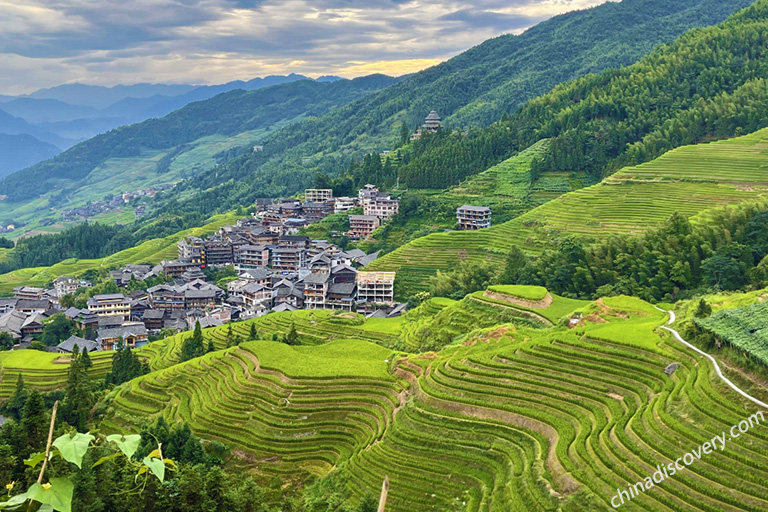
67	114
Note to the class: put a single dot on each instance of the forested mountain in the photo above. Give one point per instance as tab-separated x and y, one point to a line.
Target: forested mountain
517	67
226	114
19	151
71	113
710	83
12	125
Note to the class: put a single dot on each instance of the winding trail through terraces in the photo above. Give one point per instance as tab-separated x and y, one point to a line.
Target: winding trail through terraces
717	366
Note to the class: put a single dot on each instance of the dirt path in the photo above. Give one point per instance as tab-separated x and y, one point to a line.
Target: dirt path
725	379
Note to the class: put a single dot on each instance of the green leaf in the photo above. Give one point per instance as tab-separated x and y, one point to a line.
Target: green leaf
105	459
127	444
35	459
58	495
156	466
45	508
73	447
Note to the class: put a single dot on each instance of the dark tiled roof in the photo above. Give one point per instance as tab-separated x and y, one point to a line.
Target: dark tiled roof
82	344
123	331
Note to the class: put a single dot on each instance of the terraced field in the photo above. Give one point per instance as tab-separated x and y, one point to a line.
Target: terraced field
289	411
44	370
688	180
744	328
515	417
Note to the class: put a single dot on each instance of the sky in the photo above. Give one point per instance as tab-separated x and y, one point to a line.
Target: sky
106	42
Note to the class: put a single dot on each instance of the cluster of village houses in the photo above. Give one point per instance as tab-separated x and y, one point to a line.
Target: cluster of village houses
97	207
277	270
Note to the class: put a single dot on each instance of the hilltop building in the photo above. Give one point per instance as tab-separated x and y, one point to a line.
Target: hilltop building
473	217
432	123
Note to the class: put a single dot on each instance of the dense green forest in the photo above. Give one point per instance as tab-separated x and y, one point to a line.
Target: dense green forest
516	67
227	114
669	263
708	84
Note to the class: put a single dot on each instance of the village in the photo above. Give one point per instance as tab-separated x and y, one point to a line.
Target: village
270	267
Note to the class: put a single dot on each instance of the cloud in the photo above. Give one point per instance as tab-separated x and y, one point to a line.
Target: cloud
46	42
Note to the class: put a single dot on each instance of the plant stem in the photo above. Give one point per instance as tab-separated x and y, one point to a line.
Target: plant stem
48	445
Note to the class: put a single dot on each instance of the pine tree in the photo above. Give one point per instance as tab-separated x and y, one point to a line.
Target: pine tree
35	420
193	346
15	404
293	337
78	398
253	334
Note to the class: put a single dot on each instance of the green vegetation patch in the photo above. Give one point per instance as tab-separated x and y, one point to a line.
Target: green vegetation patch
521	291
745	328
340	358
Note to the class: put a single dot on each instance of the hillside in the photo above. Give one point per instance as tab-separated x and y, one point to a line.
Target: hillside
513	417
19	151
688	180
171	148
152	251
534	62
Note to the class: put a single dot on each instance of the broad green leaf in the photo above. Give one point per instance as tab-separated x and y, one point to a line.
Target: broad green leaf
14	502
73	447
45	508
105	459
58	494
35	459
154	454
127	444
156	466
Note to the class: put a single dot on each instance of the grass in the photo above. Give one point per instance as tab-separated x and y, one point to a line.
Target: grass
521	291
689	180
340	358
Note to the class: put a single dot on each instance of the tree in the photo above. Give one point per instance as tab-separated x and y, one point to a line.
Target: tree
193	345
703	309
293	337
405	134
210	348
78	397
67	301
57	329
126	365
253	333
368	503
34	421
15	404
514	265
6	341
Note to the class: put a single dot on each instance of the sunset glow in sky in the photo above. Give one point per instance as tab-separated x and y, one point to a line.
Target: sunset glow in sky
45	43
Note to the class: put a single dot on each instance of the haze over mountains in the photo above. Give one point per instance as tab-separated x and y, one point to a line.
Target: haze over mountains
54	119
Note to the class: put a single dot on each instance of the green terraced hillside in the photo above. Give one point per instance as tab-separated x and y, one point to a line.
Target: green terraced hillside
688	180
435	323
152	251
43	370
514	417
